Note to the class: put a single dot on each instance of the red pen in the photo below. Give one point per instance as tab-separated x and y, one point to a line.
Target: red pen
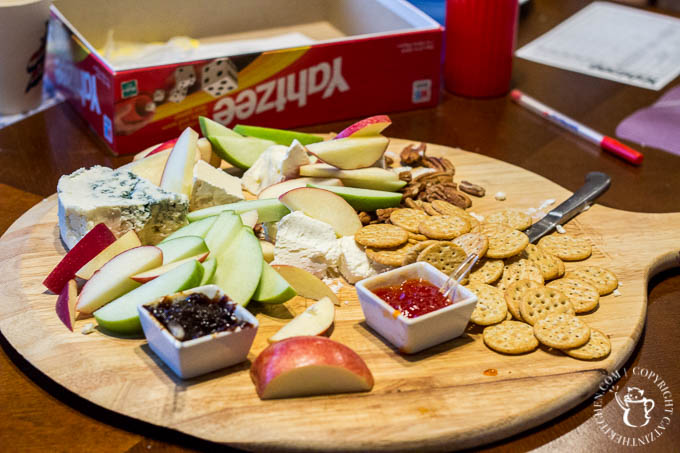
606	143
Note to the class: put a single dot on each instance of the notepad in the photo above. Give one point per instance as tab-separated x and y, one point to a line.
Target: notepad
613	42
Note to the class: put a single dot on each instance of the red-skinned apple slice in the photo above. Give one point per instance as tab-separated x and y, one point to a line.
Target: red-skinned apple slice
149	275
113	279
178	172
302	366
325	206
373	125
96	240
155	149
127	241
350	153
66	304
278	189
305	283
315	320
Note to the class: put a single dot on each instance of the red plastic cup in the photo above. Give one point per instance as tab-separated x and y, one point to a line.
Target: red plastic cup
480	41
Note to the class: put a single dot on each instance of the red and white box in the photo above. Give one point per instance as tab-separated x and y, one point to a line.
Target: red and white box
352	58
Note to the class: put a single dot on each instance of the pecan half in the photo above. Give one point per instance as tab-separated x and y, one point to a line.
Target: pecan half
365	218
472	189
384	214
433	162
448	192
412	190
405	176
388	161
412	154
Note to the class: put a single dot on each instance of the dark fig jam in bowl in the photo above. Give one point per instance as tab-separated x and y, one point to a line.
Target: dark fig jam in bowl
198	331
405	307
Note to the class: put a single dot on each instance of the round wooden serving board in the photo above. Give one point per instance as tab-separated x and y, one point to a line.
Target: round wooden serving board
438	399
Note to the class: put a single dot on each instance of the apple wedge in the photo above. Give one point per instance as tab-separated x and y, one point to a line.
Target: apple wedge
239	267
350	153
268	210
364	199
223	232
149	275
242	152
199	228
272	289
267	251
249	218
213	128
373	125
93	243
66	304
280	136
150	168
305	283
113	279
209	267
365	178
127	241
309	365
178	172
325	206
121	316
181	248
154	149
315	320
276	190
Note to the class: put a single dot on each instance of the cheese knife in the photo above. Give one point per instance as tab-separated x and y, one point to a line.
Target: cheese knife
596	184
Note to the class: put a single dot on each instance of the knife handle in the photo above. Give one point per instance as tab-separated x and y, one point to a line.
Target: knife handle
596	184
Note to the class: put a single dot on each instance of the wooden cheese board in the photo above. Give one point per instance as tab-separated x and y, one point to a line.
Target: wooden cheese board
438	399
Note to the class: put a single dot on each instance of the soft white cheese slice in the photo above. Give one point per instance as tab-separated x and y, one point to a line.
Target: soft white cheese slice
354	264
307	243
213	187
274	165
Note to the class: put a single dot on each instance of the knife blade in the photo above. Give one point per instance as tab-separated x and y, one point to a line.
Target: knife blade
596	184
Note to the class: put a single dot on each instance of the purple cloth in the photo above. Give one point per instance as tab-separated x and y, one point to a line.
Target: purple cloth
657	126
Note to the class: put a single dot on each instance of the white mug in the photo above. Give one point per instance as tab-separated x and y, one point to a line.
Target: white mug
23	31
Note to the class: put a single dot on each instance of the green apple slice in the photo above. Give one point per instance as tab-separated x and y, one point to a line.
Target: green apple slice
120	316
209	267
223	232
268	210
182	247
272	289
280	136
350	153
199	228
239	267
239	151
211	128
388	185
365	178
364	199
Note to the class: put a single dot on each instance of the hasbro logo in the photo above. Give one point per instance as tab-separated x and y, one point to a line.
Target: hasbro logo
422	91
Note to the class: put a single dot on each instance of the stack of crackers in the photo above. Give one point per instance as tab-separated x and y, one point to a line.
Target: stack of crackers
516	306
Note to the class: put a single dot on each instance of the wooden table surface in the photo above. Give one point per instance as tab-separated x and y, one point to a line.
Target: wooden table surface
38	415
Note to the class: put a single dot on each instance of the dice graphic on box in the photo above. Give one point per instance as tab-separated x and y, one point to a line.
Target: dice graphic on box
185	77
177	94
219	77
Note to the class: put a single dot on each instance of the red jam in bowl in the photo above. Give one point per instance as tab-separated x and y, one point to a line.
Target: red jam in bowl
413	297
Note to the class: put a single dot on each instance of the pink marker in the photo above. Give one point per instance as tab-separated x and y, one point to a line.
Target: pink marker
606	143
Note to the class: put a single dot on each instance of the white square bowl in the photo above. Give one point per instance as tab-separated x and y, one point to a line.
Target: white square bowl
411	335
202	355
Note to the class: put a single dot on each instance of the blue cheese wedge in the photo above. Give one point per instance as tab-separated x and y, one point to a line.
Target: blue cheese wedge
121	200
213	187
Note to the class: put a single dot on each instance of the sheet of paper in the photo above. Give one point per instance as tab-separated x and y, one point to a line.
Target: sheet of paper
613	42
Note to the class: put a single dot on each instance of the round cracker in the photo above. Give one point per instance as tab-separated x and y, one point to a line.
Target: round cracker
582	295
412	253
473	244
427	207
444	227
393	257
517	270
446	208
543	260
490	308
381	235
486	271
536	303
513	295
597	347
561	331
565	247
510	337
445	256
416	237
408	218
504	241
511	217
602	279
